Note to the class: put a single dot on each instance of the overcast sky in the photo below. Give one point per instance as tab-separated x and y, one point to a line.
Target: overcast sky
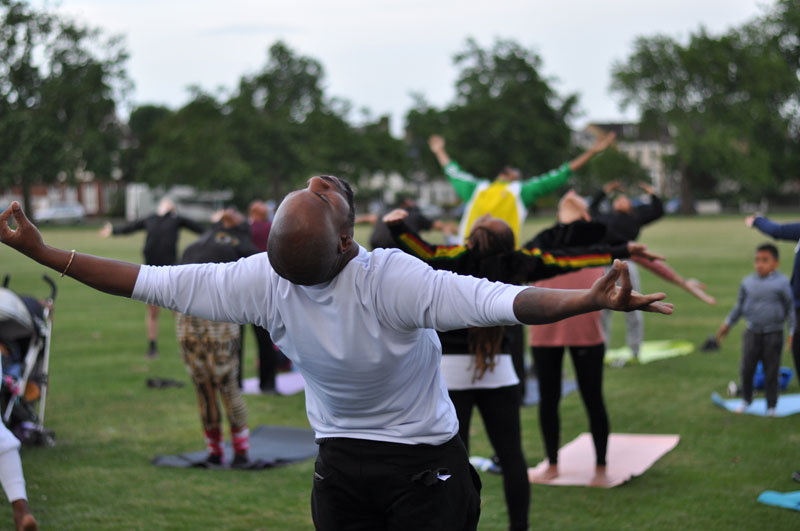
375	53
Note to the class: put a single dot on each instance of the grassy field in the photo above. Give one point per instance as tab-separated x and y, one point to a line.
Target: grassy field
109	424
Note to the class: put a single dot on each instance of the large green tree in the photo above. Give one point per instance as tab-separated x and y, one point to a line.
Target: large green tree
269	114
286	129
263	139
190	146
505	112
730	101
59	84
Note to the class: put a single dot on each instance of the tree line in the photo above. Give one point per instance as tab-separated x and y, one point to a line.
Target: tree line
728	102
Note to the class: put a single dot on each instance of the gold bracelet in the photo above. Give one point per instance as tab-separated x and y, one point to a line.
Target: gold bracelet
71	257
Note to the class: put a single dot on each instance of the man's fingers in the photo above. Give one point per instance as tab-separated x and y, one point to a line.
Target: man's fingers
624	277
19	215
5	230
611	277
650	303
665	308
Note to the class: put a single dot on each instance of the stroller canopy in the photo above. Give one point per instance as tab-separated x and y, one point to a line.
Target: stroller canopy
15	319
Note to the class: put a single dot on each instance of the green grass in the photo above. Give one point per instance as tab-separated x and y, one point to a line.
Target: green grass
109	425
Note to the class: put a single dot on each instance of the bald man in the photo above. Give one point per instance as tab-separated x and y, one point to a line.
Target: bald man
360	327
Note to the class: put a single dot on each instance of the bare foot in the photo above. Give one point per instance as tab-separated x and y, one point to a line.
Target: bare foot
549	474
697	288
23	519
600	478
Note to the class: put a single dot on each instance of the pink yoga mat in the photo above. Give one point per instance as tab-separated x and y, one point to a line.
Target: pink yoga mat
628	455
286	383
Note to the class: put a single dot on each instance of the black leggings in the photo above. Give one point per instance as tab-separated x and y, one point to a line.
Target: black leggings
588	362
499	409
267	359
796	345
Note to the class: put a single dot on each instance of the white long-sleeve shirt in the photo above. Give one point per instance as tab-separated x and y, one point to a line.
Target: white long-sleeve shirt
364	341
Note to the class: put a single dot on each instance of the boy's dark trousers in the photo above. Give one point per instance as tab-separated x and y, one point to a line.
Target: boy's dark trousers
367	485
765	347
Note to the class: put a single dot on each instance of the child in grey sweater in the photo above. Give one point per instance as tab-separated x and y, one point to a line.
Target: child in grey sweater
765	301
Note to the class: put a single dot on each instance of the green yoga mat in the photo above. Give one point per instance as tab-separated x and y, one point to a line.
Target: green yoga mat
650	351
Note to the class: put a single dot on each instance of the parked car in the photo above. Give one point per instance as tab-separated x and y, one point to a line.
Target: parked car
61	213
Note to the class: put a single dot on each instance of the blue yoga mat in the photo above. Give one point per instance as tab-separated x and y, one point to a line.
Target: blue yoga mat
787	500
787	405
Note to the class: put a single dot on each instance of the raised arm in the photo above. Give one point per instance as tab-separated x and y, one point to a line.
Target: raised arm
447	257
538	264
194	226
600	145
436	143
541	306
133	226
464	183
787	231
653	211
110	276
536	187
600	196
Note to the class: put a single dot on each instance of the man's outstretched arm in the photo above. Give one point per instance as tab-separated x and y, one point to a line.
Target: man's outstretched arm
541	305
600	145
110	276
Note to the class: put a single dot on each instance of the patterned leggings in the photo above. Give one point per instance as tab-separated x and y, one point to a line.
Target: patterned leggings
210	353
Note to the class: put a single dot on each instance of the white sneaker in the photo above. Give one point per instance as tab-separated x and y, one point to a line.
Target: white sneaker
733	389
771	412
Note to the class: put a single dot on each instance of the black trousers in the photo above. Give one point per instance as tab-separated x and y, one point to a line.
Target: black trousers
588	362
767	348
267	359
499	409
369	485
796	345
516	347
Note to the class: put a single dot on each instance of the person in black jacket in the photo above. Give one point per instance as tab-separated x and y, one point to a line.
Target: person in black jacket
624	223
160	248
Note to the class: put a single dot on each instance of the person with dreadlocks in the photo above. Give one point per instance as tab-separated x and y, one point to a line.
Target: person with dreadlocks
476	362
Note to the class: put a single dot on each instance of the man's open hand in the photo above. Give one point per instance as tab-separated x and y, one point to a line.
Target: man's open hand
436	143
607	294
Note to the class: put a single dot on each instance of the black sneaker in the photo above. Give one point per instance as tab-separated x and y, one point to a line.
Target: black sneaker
152	353
214	459
240	461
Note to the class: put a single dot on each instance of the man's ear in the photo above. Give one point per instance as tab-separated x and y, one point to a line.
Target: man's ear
345	242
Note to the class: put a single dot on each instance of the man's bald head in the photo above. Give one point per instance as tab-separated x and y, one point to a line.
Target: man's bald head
311	239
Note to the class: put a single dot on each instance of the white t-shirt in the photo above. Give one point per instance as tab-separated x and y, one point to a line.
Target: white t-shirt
364	341
459	369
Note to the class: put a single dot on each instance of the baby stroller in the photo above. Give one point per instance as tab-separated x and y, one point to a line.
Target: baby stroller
25	332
